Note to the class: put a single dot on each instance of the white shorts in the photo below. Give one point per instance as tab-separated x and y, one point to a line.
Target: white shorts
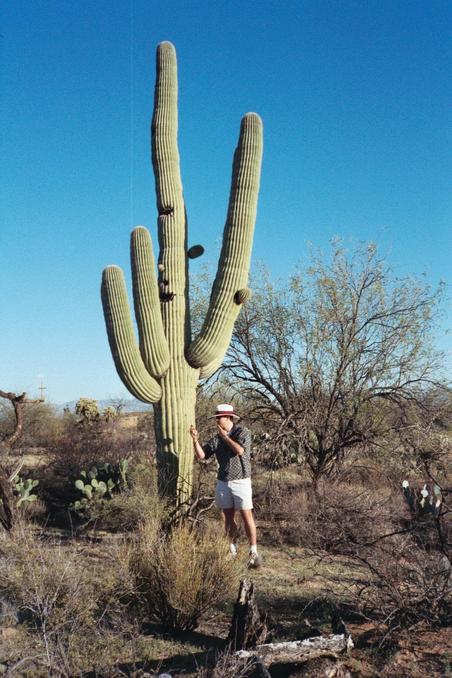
235	494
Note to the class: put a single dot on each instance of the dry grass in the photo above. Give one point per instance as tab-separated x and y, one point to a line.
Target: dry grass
63	603
79	447
291	586
227	664
77	606
371	555
46	582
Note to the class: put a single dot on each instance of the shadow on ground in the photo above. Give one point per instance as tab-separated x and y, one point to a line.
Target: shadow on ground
177	665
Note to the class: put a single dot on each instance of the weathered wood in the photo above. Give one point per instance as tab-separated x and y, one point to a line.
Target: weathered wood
298	650
18	402
6	501
247	628
248	631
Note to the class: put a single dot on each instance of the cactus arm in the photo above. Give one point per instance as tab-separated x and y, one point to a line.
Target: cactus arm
172	227
233	267
165	153
121	337
208	370
153	345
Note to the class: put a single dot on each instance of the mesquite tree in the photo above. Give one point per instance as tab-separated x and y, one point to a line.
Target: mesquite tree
166	364
337	357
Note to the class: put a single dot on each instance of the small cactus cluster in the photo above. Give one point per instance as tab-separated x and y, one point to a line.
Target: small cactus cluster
99	483
88	412
425	501
23	489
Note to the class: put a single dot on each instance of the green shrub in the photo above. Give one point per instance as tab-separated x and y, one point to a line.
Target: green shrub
180	575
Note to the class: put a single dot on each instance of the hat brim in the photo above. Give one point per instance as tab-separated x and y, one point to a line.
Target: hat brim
224	414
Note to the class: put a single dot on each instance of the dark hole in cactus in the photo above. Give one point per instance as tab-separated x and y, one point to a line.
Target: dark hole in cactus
166	210
164	293
242	296
167	296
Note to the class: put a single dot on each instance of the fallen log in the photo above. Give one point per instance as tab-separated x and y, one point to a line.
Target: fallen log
298	651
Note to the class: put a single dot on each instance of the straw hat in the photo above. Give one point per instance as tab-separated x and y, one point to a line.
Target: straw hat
224	410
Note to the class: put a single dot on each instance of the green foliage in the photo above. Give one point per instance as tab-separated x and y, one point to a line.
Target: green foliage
100	482
335	358
23	489
126	510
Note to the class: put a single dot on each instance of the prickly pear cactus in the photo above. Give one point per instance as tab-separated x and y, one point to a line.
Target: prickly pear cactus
164	367
100	482
24	490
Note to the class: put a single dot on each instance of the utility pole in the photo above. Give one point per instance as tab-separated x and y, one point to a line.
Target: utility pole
42	388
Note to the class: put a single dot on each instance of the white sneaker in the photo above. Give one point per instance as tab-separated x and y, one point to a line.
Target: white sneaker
233	550
255	561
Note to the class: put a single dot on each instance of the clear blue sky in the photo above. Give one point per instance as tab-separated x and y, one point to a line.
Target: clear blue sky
354	95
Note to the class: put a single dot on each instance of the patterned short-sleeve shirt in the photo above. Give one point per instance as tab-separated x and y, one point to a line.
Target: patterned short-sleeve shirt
231	466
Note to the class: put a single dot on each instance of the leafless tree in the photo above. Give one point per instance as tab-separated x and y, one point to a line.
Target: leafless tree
118	404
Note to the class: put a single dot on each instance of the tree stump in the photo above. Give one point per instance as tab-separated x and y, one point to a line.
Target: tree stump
247	628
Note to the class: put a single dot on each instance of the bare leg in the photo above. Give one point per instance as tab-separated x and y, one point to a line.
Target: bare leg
250	525
230	524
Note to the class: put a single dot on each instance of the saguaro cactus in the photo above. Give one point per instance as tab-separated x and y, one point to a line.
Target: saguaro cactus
165	366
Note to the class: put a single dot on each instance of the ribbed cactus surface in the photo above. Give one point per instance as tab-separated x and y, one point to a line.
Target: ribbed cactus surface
164	366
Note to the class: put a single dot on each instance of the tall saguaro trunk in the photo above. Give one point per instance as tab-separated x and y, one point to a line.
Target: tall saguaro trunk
165	366
173	415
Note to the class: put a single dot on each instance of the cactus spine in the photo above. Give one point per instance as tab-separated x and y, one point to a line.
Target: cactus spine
165	367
